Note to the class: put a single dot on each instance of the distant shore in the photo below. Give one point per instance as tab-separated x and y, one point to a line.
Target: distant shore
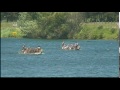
90	31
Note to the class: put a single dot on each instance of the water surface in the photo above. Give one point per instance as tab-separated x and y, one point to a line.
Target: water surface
96	58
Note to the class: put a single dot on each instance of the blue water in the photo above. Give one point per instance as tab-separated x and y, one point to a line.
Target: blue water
96	58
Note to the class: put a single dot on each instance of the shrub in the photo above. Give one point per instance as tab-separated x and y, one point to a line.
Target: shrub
100	27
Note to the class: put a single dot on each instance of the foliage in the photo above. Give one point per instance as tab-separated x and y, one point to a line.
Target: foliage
49	24
98	31
7	30
61	25
9	16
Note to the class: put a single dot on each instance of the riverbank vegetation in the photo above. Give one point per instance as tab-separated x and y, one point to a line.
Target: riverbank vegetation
9	30
60	25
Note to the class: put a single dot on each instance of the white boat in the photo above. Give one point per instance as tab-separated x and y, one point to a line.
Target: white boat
37	53
75	46
26	50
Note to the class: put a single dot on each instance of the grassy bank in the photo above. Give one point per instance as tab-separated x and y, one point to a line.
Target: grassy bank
9	30
100	30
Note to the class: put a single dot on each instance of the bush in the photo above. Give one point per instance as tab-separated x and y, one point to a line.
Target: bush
112	30
100	27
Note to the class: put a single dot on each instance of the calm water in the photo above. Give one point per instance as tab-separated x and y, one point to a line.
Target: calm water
97	58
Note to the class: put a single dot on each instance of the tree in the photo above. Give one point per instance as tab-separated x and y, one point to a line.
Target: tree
9	16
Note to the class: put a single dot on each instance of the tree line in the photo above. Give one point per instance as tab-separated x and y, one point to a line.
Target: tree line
88	16
58	25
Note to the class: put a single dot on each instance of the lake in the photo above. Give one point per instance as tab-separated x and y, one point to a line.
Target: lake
96	58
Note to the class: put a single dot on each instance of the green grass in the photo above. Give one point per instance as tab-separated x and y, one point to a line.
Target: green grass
99	30
8	30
